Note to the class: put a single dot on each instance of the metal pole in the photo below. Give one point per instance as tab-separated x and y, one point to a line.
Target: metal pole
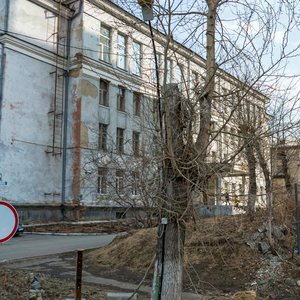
78	275
297	219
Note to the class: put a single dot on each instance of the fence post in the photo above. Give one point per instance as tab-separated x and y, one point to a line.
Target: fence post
297	219
78	275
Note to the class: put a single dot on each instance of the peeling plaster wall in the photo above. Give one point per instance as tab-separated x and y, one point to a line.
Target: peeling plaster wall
28	170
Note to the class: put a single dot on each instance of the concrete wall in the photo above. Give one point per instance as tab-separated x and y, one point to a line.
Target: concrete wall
30	173
29	214
25	131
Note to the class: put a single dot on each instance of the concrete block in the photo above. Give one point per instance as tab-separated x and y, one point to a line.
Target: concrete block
121	296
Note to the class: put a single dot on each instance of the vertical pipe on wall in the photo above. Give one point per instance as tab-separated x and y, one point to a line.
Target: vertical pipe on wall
66	107
2	62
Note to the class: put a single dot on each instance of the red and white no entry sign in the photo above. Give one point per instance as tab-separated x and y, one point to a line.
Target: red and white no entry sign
8	221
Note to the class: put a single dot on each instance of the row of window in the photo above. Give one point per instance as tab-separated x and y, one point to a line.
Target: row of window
105	50
103	182
120	140
136	61
121	98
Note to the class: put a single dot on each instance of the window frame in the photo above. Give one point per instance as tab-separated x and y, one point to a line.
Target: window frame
120	140
102	137
137	103
136	58
103	93
135	185
136	143
103	45
102	181
120	181
153	68
121	99
121	51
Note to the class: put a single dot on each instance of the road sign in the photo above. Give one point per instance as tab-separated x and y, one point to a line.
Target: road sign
8	221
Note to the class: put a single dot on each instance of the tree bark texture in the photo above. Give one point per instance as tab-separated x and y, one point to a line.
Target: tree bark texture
264	165
175	196
173	261
251	161
206	95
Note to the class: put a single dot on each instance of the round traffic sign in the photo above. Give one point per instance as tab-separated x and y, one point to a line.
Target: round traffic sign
8	221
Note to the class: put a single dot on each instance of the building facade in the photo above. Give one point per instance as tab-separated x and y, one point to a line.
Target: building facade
78	87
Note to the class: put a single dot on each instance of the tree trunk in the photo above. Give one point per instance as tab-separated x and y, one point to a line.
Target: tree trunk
267	176
251	160
287	177
167	282
206	95
173	261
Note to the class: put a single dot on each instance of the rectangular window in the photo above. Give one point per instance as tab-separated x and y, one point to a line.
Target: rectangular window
169	71
121	99
103	92
194	79
105	37
136	143
120	140
120	182
134	187
136	104
153	68
179	77
102	181
102	143
136	59
121	58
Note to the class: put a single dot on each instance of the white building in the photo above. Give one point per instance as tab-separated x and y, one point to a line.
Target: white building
76	85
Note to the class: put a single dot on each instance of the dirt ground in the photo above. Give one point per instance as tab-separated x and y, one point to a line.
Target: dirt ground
15	285
218	260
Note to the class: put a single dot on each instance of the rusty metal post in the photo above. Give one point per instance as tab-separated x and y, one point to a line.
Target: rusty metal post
78	275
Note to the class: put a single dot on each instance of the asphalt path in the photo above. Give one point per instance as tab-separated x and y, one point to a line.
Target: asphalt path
31	245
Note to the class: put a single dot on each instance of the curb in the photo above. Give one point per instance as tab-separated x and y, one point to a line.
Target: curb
75	233
90	222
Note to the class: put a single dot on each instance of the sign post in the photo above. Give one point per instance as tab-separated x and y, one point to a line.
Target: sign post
8	221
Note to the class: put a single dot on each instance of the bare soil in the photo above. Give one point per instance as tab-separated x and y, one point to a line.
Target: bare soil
217	259
15	285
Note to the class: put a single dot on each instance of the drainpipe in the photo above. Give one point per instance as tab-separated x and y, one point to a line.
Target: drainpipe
2	63
66	107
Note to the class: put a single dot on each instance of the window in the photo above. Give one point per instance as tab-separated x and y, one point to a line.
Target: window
102	181
120	215
169	71
233	188
120	140
179	77
120	181
153	68
136	143
194	80
105	43
121	58
102	143
134	189
121	99
136	59
136	104
103	93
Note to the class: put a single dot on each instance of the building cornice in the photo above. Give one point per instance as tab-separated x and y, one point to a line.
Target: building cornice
54	6
31	50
